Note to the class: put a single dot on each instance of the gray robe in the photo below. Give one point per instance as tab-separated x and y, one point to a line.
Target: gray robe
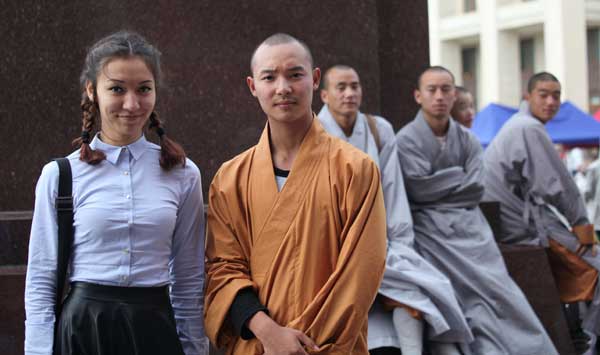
444	187
525	174
408	278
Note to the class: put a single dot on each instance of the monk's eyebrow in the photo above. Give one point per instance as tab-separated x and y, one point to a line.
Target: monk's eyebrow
544	91
296	68
267	71
346	83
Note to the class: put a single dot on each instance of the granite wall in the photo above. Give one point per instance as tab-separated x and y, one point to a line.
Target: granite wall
206	48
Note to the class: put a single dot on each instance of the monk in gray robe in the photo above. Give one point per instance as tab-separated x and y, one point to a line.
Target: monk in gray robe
540	203
412	288
463	110
442	163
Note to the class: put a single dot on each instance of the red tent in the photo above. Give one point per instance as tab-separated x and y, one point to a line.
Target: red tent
597	115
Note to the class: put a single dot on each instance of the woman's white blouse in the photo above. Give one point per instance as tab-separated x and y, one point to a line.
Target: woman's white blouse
135	225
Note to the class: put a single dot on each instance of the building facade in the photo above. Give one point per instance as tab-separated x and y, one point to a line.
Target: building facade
494	46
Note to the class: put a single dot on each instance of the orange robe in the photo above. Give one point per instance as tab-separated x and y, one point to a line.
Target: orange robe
314	252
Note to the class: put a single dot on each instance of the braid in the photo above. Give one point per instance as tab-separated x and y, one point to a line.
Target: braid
90	111
171	152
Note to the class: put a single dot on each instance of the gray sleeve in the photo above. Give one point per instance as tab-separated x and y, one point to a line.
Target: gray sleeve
550	178
399	219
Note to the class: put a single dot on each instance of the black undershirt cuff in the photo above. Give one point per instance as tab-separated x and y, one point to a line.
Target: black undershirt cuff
245	305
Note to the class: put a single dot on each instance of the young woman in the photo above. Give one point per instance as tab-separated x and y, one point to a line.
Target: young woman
137	259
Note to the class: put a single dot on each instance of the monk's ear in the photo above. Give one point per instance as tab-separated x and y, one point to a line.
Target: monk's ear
316	78
324	97
250	83
417	95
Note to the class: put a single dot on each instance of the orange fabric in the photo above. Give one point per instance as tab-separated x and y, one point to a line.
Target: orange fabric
389	305
575	278
314	252
585	233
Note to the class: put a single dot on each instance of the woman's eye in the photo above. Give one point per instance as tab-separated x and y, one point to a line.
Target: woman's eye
116	89
145	89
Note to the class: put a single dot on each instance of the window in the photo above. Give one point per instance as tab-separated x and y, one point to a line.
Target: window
593	44
527	51
469	71
469	5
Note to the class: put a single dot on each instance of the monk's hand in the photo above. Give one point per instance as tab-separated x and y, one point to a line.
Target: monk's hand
587	239
278	340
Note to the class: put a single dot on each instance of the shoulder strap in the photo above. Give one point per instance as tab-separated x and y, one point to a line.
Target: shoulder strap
64	213
374	131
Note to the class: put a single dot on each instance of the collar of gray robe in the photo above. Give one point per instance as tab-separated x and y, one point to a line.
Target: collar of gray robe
525	111
330	124
524	108
430	142
360	132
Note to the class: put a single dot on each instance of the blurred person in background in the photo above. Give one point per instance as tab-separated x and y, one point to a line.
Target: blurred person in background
415	299
463	110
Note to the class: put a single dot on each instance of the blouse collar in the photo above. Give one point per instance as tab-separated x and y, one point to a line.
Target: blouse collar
136	149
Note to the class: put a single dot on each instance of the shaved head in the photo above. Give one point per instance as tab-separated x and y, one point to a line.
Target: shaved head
281	38
325	81
435	68
542	76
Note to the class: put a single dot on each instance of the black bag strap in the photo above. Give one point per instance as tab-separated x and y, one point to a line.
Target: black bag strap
64	213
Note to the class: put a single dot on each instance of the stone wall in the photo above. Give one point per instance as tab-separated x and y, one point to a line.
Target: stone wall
206	48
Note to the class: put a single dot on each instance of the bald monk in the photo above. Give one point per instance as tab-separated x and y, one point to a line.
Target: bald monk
463	110
415	298
296	225
442	163
525	174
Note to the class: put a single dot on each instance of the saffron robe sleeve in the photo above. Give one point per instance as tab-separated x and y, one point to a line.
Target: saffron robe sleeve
314	252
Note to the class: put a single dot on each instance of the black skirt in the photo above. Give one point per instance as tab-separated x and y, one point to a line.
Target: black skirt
110	320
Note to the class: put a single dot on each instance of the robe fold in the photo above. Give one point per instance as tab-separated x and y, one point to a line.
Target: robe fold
444	185
314	252
525	174
408	279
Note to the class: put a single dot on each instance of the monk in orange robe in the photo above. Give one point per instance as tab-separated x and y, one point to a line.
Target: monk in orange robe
296	234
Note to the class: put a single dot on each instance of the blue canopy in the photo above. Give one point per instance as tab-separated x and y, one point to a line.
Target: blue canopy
488	121
569	126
